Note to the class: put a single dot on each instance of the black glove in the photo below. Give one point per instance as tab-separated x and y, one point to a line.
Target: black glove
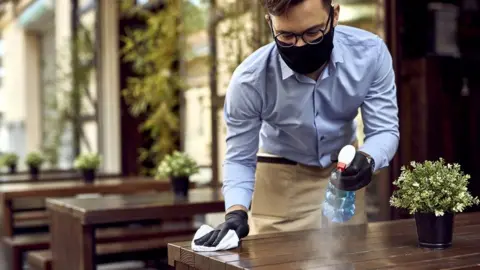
236	220
357	175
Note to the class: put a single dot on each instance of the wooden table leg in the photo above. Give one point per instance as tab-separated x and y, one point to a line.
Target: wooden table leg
183	266
7	222
72	244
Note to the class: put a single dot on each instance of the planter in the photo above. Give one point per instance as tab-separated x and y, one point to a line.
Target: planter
33	172
88	175
180	185
434	232
12	168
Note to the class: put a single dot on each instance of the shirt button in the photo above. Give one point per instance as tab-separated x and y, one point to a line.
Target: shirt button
322	138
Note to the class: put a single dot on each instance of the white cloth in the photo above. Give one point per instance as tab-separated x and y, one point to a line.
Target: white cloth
228	242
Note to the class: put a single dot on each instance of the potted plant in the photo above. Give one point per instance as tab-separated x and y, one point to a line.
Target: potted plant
178	166
433	192
34	161
88	164
10	160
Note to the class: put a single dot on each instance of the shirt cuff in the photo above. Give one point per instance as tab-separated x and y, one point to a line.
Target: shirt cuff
376	154
237	196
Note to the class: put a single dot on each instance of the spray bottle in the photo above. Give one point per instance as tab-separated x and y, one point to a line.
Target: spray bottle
339	205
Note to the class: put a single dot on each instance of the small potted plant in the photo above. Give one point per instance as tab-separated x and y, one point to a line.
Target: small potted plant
34	161
10	160
178	166
433	192
88	164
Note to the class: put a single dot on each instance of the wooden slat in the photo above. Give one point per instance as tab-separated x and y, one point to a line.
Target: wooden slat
36	223
30	215
40	260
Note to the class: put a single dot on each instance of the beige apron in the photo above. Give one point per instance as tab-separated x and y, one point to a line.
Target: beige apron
289	198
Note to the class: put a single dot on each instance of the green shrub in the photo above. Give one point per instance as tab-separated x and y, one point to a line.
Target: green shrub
432	187
9	159
177	164
87	161
34	159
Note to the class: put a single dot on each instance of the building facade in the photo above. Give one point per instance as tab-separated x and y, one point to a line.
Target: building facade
37	37
37	76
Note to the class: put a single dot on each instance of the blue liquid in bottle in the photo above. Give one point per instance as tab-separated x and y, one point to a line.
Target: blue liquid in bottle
339	205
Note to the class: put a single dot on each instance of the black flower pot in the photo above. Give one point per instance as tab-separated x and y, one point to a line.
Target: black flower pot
12	168
180	185
434	232
33	171
88	175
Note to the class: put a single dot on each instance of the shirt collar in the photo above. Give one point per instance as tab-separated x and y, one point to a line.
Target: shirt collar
336	57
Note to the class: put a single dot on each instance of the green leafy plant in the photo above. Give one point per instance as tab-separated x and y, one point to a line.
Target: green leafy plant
152	92
9	159
87	161
34	159
432	187
177	164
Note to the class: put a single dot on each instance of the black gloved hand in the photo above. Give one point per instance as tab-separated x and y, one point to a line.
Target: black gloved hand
236	220
357	175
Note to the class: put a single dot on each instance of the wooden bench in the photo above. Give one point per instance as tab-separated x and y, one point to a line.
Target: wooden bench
31	196
111	252
17	246
30	222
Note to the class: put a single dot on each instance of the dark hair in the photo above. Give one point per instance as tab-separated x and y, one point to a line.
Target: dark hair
280	7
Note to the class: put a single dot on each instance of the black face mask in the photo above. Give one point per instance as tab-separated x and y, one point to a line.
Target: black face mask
309	58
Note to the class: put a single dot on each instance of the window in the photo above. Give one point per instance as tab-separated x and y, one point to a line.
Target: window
201	114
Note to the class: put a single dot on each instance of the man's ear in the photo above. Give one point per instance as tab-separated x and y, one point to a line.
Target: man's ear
336	14
267	19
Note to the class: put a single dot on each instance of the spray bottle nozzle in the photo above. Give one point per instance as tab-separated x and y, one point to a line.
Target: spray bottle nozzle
341	166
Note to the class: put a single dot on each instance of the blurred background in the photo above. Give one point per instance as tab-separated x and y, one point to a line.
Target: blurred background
134	80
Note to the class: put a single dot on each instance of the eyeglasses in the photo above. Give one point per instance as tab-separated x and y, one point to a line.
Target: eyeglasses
311	36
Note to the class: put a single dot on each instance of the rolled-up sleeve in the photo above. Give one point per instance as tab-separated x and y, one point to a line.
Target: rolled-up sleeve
380	112
242	116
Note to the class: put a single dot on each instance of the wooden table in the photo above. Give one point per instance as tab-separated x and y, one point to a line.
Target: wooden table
73	221
48	176
5	171
124	185
382	245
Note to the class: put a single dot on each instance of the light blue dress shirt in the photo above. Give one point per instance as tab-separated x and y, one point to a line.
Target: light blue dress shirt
287	114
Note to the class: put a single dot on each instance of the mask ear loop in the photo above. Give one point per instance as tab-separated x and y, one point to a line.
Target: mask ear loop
331	15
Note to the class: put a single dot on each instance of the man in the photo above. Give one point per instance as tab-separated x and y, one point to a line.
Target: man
297	97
